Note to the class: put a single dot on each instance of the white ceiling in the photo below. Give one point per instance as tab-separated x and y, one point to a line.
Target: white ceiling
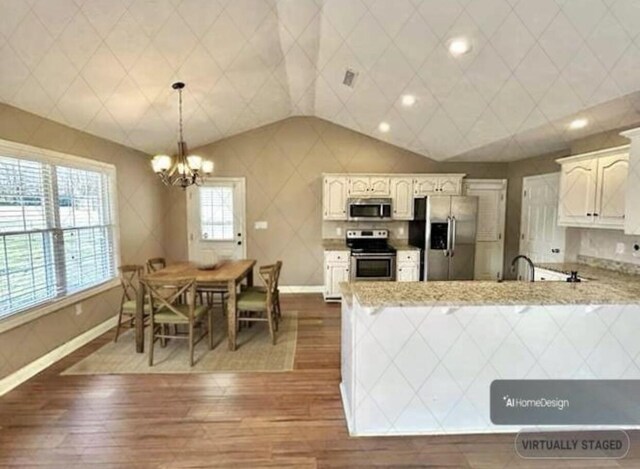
106	66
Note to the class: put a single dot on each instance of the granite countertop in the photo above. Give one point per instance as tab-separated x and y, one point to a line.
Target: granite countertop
465	293
334	245
402	245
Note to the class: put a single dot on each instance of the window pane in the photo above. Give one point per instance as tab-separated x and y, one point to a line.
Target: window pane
23	185
81	197
88	254
216	213
27	270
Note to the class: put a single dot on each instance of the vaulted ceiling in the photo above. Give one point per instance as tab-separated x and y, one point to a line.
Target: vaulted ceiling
106	66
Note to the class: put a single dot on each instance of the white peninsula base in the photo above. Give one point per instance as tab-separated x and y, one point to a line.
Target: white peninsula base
427	369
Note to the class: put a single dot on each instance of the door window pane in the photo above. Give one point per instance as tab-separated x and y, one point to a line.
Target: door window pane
216	213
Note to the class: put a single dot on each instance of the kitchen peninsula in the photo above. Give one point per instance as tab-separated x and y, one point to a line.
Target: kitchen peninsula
419	357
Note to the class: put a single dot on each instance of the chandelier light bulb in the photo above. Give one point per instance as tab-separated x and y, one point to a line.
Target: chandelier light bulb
195	162
207	167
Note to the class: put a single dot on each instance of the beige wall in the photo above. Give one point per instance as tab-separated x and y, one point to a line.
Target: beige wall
283	165
141	217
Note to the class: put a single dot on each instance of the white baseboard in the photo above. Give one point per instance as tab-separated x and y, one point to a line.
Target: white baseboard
35	367
302	289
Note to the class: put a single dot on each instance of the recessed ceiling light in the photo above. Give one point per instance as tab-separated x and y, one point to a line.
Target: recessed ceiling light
408	100
384	127
578	124
459	46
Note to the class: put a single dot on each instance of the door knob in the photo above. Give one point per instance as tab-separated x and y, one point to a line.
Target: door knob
239	243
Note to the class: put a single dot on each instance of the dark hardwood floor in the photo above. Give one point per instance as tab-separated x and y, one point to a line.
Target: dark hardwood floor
242	420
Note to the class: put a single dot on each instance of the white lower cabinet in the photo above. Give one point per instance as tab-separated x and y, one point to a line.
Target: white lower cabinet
408	266
336	271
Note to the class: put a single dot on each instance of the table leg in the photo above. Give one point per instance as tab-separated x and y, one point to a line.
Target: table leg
231	314
140	319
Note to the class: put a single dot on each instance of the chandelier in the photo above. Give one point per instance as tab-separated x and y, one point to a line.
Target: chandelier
185	170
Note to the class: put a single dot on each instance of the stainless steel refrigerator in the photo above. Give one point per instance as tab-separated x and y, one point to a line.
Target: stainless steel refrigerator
444	228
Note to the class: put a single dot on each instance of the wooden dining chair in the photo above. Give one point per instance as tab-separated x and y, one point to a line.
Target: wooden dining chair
166	309
156	263
258	305
129	279
276	293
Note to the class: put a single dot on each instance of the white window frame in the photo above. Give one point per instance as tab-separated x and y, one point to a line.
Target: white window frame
28	152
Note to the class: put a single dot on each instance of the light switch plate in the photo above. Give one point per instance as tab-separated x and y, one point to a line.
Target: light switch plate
619	248
78	309
339	231
261	225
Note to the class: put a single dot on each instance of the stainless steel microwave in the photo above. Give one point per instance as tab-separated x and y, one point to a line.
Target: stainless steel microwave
369	209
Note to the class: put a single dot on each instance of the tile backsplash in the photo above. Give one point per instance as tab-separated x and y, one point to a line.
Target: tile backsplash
609	244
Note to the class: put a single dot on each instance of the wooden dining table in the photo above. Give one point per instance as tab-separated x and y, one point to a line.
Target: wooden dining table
228	274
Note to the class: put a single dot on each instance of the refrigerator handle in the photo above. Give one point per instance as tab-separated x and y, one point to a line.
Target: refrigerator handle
447	250
453	237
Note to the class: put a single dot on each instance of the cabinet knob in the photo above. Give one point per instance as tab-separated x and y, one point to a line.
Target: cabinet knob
589	214
595	214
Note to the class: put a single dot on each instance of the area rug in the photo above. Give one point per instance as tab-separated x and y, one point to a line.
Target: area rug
254	353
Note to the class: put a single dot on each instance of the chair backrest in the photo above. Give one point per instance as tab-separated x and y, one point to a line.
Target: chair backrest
129	278
167	293
278	270
156	263
268	274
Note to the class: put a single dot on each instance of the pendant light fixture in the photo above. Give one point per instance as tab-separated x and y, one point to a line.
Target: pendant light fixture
184	170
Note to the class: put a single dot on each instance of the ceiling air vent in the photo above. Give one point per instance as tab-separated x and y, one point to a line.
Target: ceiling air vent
350	78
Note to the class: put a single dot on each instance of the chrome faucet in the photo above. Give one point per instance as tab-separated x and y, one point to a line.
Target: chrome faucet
528	261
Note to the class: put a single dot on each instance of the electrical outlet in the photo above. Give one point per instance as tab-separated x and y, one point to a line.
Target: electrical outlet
620	248
261	225
339	231
78	309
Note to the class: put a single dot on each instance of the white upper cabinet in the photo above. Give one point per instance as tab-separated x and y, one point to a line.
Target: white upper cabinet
369	186
611	190
334	198
632	206
402	196
593	189
577	192
443	184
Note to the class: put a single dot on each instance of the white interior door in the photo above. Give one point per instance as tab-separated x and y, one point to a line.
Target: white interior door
492	195
541	239
216	220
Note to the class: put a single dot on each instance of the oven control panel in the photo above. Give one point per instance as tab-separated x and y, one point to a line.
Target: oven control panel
367	234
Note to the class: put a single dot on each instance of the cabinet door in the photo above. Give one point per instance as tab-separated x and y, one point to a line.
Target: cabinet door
407	273
611	191
335	274
402	198
450	185
359	186
577	193
334	198
379	186
425	186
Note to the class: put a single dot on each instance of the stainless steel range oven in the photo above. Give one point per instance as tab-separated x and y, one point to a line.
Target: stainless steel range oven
371	256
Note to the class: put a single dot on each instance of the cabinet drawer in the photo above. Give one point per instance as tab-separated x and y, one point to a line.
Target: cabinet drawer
337	257
407	257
